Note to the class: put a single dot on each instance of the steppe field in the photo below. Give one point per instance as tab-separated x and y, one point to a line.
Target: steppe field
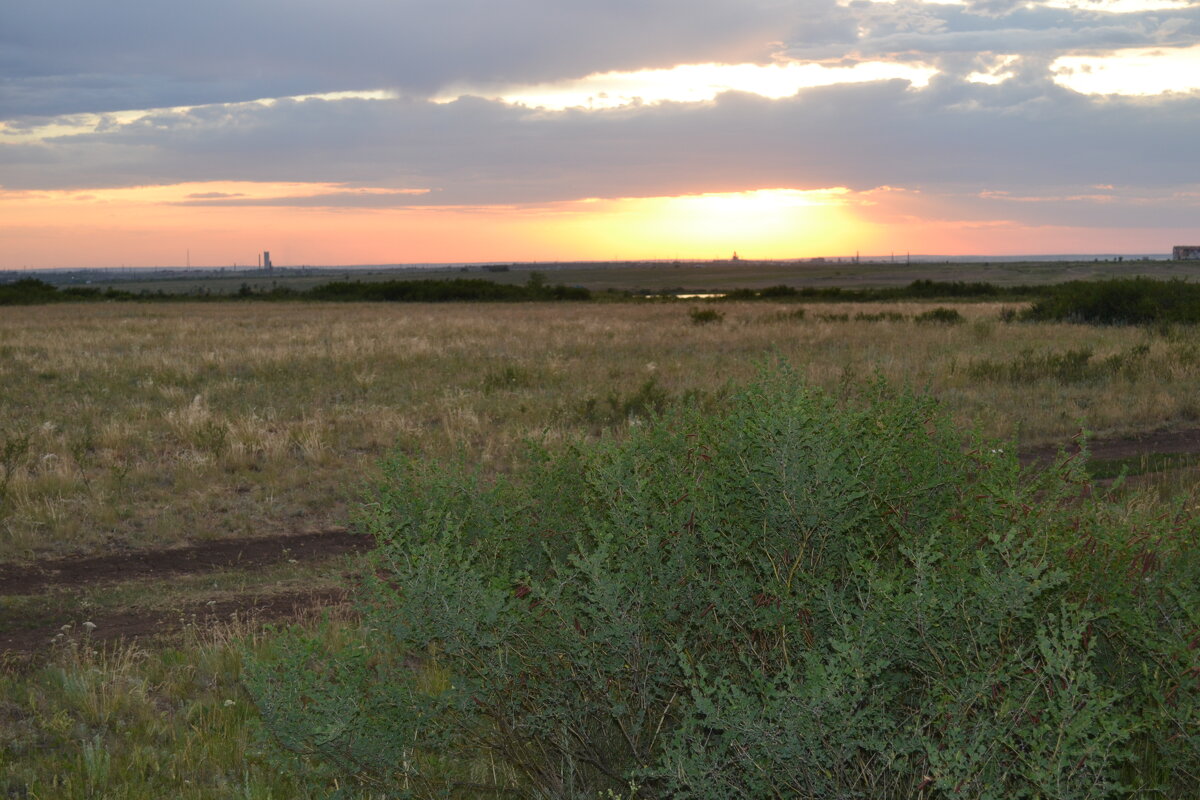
173	476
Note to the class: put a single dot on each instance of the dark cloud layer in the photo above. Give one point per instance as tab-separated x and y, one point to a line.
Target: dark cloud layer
69	56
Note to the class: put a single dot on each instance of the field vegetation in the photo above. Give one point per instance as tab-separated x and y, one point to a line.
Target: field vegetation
131	426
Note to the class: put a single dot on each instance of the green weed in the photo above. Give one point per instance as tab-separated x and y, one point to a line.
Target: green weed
705	316
1071	366
940	316
14	450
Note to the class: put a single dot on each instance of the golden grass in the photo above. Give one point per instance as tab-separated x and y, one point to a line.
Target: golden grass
149	425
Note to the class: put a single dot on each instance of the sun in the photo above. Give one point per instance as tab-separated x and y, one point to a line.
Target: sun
765	223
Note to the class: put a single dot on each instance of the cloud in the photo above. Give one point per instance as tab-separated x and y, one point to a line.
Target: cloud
359	198
71	56
907	29
954	141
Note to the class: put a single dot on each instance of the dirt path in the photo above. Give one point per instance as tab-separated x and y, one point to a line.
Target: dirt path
245	553
110	627
1184	442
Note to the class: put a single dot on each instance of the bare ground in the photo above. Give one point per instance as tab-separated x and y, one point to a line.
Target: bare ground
19	643
244	553
24	634
1180	442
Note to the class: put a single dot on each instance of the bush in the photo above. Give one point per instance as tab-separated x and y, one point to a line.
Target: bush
27	291
705	316
1072	366
1125	301
941	316
444	290
794	596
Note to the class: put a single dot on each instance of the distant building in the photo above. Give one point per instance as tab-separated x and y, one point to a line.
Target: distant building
1186	252
267	260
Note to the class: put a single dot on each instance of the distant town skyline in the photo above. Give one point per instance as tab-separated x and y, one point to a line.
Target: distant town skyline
470	131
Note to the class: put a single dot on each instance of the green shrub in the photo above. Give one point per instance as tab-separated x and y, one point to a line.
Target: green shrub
648	400
27	291
883	316
14	451
941	316
1072	366
705	316
443	290
793	596
794	315
507	377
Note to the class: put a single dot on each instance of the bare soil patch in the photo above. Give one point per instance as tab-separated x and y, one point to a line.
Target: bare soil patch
112	627
1177	442
242	553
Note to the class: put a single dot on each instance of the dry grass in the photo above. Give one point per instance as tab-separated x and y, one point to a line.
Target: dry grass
148	425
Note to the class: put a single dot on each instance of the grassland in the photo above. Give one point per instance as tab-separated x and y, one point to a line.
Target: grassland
134	426
147	426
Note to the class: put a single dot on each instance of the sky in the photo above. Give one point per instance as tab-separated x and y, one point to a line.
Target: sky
163	133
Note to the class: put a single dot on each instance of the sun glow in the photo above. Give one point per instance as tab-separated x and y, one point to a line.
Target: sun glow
1146	71
690	83
767	223
156	225
163	226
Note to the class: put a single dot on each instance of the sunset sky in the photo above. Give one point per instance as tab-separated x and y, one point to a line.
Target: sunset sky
389	131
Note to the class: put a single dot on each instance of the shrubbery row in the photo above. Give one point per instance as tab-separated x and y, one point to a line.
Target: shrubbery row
30	291
1127	301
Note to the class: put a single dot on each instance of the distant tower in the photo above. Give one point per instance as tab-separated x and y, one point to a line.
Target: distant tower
267	260
735	256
